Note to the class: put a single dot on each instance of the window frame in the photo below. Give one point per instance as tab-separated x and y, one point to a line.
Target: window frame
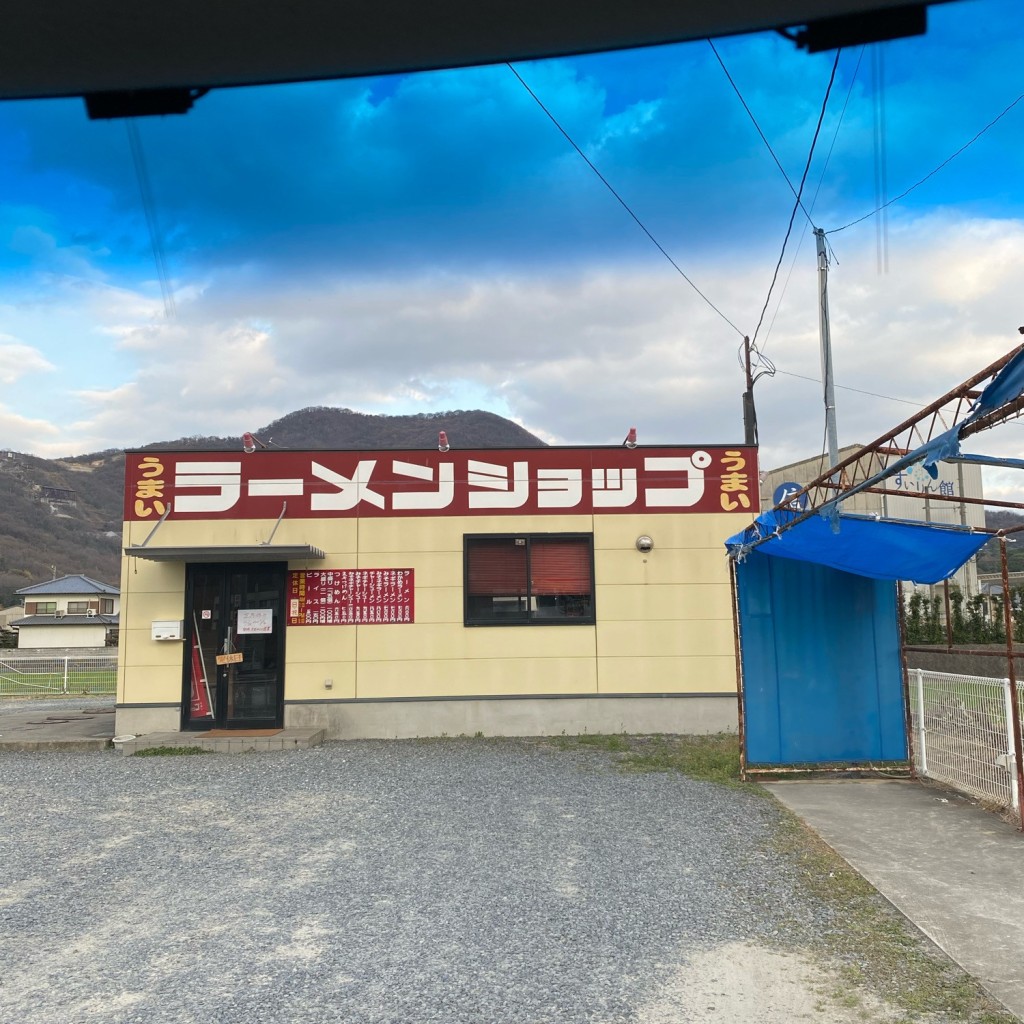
529	618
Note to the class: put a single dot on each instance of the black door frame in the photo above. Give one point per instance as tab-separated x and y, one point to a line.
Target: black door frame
219	718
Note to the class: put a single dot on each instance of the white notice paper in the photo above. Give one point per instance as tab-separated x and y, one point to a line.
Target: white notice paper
255	620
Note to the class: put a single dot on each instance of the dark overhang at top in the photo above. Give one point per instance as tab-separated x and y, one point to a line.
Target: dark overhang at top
118	52
227	553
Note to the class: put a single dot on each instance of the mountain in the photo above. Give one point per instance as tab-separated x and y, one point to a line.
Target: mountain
989	559
61	516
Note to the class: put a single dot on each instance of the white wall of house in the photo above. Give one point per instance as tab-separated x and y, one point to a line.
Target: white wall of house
62	636
72	604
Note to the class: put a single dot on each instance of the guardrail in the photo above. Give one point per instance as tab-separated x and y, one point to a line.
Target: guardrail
37	675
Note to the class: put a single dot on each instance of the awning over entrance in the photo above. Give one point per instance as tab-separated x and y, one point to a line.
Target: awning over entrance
228	553
881	549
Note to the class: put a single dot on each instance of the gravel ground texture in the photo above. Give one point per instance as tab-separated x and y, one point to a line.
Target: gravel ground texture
438	880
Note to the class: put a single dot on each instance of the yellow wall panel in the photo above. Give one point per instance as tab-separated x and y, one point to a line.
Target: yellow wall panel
337	536
702	674
667	531
664	619
155	591
447	642
142	649
316	644
427	534
523	524
144	577
152	685
693	565
146	606
439	604
665	639
439	534
326	534
305	680
664	601
519	676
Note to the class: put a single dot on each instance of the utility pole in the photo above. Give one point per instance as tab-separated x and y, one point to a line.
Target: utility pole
749	415
826	349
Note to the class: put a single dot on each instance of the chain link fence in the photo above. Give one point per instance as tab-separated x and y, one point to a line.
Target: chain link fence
963	734
29	675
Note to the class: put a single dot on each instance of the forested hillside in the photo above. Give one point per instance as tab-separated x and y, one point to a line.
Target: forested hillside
61	516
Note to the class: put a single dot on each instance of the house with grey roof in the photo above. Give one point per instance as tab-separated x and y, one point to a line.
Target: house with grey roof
72	611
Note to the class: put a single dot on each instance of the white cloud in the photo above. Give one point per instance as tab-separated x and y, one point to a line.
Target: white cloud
579	356
17	360
26	434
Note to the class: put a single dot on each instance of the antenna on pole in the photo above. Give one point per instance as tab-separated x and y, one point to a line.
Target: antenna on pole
826	350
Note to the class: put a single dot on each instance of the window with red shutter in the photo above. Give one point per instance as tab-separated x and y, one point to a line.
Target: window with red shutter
529	579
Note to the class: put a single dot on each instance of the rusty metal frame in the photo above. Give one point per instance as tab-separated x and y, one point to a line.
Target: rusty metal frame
741	720
852	474
1011	673
864	471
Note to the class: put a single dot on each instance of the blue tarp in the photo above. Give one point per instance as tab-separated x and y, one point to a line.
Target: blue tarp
822	680
881	549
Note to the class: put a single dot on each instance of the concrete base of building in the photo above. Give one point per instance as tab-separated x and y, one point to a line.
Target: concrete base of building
678	714
284	739
689	714
139	720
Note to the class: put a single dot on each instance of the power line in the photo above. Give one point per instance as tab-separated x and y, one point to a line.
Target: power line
835	135
881	163
622	202
845	387
149	209
871	394
803	179
768	145
814	200
932	173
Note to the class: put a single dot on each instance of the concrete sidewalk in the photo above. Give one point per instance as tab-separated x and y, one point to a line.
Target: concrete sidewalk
87	723
67	723
956	871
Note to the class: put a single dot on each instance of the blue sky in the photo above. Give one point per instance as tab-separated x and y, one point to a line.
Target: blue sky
430	241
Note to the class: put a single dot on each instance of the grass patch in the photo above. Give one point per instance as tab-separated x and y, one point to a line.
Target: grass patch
170	751
875	949
600	741
51	684
714	758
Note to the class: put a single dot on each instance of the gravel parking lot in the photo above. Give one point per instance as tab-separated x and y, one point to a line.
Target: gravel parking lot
446	880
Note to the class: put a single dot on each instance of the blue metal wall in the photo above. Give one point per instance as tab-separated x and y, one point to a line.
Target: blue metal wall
821	664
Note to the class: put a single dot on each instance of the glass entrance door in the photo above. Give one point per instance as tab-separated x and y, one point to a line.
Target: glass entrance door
234	657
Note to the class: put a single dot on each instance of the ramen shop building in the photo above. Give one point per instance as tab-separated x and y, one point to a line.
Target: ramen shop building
411	593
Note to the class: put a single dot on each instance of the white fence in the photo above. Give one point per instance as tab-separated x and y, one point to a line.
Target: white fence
27	675
963	734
